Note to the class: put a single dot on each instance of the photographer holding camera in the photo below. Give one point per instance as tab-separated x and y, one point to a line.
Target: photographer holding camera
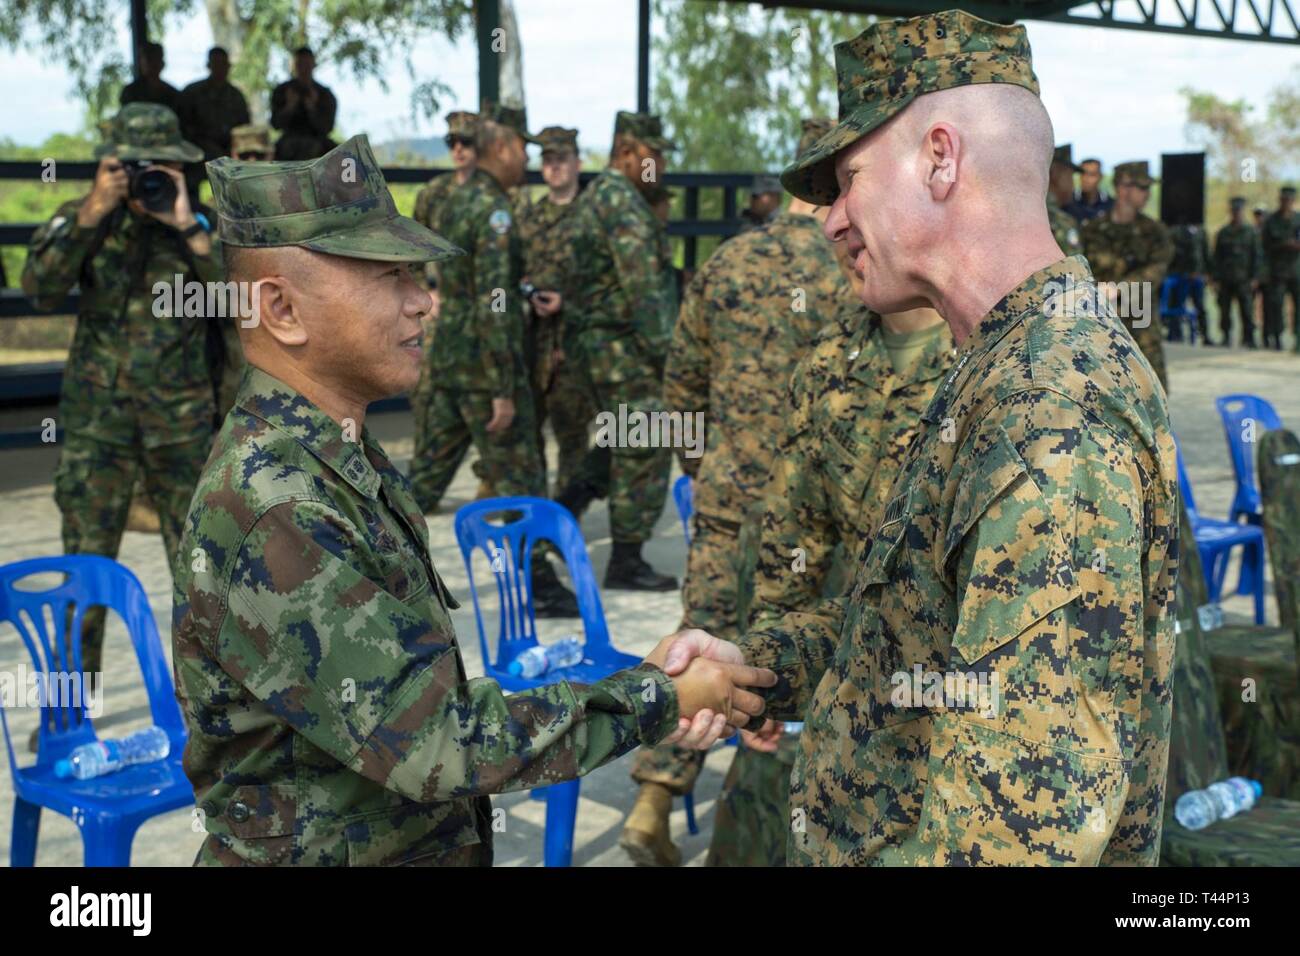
138	387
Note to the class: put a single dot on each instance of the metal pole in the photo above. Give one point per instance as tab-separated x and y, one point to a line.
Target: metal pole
139	34
643	56
489	69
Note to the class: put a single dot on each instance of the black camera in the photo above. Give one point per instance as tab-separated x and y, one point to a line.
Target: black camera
153	187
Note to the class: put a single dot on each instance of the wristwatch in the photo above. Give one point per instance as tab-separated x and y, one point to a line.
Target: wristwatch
192	228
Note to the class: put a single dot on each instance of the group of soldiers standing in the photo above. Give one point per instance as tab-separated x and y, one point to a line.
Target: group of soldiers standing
867	500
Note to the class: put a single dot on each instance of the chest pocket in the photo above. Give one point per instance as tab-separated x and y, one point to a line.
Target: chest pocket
398	568
847	475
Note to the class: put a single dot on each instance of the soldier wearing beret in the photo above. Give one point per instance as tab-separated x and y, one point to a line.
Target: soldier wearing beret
624	292
1281	239
995	687
1123	245
331	720
138	396
1237	268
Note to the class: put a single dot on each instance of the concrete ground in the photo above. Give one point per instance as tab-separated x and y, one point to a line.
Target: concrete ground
30	528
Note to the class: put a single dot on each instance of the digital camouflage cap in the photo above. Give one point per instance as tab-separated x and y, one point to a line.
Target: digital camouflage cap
463	124
558	138
511	117
892	62
1137	171
338	204
147	131
646	127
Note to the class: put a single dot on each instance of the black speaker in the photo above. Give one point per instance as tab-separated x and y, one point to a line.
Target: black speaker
1182	189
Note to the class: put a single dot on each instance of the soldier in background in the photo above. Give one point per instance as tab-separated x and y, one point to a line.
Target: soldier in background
1190	264
546	228
750	314
1060	191
1238	266
625	302
252	142
138	390
1261	214
462	130
303	110
212	107
150	87
1281	240
1091	201
311	535
1124	245
479	386
764	203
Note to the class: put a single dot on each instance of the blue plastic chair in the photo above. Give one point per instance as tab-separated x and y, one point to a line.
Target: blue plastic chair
107	810
508	546
684	499
1182	314
1235	411
1215	540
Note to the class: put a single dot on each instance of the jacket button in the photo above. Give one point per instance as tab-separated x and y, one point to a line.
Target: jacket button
238	811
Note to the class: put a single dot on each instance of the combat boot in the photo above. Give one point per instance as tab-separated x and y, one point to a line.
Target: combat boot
646	837
550	597
576	496
628	571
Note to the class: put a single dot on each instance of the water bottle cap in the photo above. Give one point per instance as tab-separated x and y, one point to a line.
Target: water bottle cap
515	668
63	769
1258	788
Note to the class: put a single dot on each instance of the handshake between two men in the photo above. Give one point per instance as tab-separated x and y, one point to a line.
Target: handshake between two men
711	678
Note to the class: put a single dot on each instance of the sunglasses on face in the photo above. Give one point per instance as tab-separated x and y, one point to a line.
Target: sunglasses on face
454	141
251	154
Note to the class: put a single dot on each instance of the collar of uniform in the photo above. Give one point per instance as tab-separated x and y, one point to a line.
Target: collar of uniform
1009	312
285	408
619	181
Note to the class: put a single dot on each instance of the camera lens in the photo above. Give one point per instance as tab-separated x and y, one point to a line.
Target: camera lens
154	188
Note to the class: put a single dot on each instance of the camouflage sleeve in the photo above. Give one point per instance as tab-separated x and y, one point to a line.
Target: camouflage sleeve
1204	240
497	323
54	258
1219	258
1045	542
686	374
634	247
793	629
374	682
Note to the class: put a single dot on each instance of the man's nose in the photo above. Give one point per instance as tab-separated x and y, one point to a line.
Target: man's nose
837	221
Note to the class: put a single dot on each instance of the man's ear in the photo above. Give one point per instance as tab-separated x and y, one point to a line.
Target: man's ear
941	155
279	310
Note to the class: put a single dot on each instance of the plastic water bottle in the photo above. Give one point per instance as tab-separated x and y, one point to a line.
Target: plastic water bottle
536	661
793	728
1197	809
107	756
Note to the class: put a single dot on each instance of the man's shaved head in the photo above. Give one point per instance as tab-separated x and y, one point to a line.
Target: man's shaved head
946	191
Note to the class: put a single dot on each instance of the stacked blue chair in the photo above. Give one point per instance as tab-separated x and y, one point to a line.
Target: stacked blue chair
507	542
1245	420
684	499
107	810
1215	540
1183	315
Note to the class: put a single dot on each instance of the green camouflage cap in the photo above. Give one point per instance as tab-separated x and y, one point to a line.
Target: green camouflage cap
338	204
147	131
251	138
1064	156
557	138
463	123
891	63
646	127
512	117
812	129
1136	171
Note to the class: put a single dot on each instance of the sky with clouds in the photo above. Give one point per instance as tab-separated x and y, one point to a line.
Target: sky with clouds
1112	93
